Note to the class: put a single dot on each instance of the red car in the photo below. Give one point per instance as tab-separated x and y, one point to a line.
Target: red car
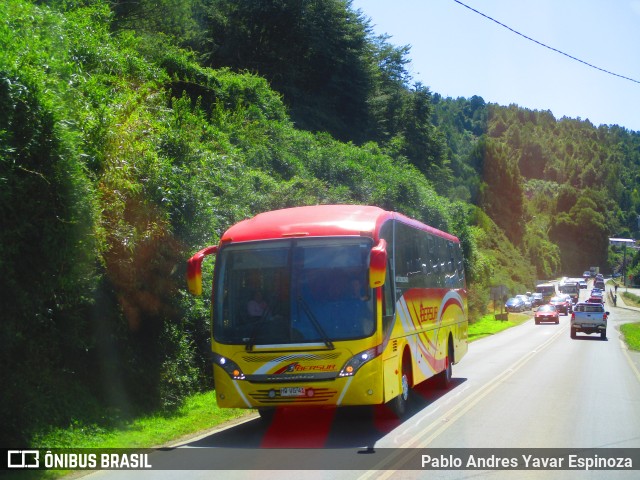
595	299
547	313
561	304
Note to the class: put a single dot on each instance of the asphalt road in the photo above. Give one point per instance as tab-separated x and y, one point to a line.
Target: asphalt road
531	387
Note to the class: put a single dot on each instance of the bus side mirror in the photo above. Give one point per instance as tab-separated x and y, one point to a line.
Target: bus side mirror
194	270
378	264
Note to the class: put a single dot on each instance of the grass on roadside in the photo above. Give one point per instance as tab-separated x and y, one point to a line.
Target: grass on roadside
631	332
199	412
631	299
488	325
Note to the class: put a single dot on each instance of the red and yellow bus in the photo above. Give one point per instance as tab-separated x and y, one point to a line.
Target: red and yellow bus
332	305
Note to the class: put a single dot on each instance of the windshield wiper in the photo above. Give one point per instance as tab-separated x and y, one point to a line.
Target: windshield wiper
249	342
325	338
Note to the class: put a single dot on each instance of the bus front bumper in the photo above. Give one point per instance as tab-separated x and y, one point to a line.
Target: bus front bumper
363	388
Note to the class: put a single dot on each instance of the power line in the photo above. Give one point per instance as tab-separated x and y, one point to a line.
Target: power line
545	46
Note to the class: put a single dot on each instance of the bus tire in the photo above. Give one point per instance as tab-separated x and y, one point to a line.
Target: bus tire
400	404
444	377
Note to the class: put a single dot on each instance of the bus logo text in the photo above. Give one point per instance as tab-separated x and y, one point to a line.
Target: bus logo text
296	367
428	314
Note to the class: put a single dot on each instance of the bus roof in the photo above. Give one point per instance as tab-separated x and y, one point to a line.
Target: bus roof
319	221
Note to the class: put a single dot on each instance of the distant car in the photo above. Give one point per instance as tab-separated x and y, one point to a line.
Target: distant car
536	300
514	304
546	313
526	301
582	284
599	284
586	275
595	299
568	297
561	304
597	296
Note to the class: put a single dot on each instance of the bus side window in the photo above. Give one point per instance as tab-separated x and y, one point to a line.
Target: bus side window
460	262
451	260
441	255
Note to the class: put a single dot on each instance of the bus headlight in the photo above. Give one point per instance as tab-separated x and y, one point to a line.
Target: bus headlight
229	366
354	363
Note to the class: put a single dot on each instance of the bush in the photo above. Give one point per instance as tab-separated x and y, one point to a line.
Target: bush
48	252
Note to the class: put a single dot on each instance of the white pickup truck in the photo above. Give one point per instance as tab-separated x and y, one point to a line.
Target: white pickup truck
589	318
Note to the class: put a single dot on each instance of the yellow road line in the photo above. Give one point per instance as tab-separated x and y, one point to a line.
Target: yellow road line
450	417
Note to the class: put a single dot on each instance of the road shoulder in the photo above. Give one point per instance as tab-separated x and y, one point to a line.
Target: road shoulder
632	356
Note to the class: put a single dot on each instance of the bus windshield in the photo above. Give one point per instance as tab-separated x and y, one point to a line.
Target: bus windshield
297	291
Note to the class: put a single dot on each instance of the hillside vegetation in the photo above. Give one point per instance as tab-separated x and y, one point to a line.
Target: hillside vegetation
133	134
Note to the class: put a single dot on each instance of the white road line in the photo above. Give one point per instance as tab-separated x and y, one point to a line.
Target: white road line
421	440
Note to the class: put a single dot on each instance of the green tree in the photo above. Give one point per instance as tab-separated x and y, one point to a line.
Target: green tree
48	258
315	53
581	234
544	254
502	195
389	94
424	145
152	17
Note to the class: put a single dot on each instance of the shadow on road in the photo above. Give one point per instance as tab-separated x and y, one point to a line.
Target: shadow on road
306	427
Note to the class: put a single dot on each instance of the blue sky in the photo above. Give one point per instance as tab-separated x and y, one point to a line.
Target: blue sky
458	53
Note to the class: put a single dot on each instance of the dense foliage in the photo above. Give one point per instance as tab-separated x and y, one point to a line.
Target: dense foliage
558	188
134	133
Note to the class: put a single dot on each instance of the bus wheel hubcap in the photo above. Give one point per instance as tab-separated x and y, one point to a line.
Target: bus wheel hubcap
405	387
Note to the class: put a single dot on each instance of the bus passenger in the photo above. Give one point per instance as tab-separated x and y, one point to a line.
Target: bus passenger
256	306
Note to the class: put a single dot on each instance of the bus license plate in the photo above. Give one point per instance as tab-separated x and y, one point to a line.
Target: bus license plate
292	392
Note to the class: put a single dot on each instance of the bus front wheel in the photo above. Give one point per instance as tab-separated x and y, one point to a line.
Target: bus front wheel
400	403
